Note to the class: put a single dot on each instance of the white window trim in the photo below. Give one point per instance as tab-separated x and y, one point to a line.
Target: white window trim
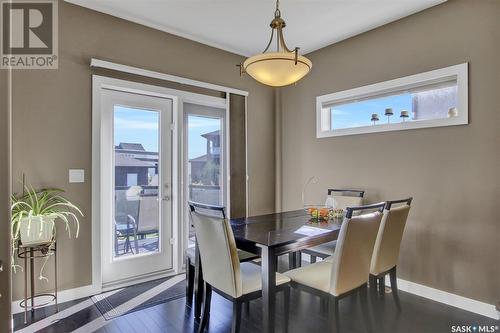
458	72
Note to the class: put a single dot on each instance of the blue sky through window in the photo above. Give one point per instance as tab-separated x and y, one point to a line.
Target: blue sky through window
142	126
198	125
356	114
137	126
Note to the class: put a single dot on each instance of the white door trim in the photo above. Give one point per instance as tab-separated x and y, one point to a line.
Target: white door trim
97	63
178	97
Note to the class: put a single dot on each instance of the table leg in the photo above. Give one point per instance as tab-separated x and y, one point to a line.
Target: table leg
198	284
269	266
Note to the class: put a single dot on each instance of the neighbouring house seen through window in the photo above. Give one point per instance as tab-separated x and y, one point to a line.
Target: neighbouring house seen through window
431	99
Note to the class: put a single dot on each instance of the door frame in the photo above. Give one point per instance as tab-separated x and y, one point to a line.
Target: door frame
178	97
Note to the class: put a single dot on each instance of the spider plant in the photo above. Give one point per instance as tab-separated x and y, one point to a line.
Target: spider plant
43	207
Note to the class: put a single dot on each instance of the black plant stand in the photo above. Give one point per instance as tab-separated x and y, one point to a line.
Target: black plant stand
31	253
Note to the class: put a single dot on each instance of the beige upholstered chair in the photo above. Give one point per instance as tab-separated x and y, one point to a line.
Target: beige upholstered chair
223	272
347	271
214	211
338	199
386	250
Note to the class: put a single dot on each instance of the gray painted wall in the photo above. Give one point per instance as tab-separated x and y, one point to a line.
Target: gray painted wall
451	241
52	115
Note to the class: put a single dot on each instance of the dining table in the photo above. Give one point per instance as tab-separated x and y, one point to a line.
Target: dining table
271	236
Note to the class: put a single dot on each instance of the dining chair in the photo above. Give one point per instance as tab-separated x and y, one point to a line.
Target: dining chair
386	251
223	272
346	272
127	210
338	199
148	216
190	255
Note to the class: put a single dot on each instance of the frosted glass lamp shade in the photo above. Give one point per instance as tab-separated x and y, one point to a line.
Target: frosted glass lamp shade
277	69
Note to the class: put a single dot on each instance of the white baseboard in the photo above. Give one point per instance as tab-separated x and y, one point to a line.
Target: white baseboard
136	280
457	301
63	296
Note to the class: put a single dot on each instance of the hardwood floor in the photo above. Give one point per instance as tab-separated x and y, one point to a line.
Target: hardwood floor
417	315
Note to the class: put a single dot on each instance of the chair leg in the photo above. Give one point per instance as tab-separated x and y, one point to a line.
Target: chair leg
286	308
373	283
363	296
381	285
235	326
128	245
206	308
291	260
313	259
333	305
136	243
299	259
394	287
190	281
323	305
198	288
247	308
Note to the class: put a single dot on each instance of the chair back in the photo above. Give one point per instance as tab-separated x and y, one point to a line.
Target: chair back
343	198
386	251
148	214
126	205
353	253
218	253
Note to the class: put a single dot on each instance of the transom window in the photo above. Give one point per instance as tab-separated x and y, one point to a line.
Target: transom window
431	99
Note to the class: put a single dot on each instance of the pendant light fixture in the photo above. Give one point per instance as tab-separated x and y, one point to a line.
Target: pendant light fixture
279	68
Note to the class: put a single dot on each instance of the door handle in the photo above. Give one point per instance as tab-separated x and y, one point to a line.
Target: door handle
166	198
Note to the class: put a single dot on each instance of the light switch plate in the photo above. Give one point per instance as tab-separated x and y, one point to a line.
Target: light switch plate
76	175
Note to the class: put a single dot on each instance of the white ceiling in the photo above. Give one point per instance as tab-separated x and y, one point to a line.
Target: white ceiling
242	26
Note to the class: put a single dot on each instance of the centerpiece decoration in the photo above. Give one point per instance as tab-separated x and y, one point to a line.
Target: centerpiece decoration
317	212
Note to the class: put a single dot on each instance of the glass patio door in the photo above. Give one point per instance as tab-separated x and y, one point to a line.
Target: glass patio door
137	158
205	156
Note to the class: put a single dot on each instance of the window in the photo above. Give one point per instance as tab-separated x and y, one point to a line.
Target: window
131	179
431	99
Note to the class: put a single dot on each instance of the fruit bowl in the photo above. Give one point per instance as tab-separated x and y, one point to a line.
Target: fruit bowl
318	212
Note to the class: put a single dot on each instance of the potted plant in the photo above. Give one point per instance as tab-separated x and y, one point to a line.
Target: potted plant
34	214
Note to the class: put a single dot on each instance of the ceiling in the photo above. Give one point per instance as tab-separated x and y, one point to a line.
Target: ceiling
242	26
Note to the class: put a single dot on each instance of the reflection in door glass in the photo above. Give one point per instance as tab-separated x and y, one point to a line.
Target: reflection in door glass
204	164
136	165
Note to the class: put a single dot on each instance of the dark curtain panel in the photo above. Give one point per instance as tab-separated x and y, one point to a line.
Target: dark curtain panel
237	170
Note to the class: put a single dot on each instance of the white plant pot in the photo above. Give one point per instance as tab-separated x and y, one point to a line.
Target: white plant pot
39	231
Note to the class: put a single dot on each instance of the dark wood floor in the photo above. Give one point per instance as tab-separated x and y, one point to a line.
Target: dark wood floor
417	315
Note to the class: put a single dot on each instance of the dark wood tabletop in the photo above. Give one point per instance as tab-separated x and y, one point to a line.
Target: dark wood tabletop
281	230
